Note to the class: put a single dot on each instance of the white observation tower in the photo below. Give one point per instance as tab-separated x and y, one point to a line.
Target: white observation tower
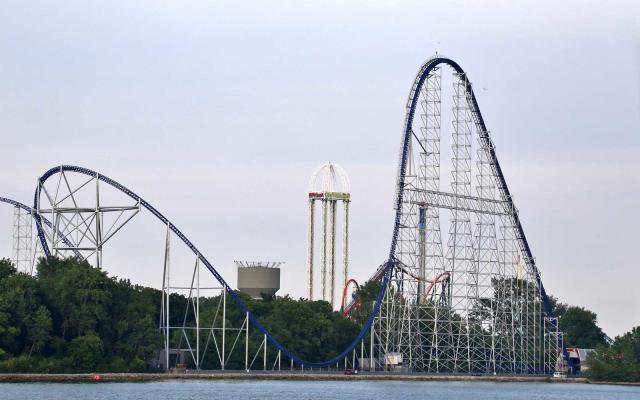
329	184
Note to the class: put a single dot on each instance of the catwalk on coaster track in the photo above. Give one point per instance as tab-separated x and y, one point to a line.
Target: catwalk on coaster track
479	307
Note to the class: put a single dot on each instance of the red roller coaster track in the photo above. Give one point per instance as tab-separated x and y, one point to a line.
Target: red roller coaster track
355	303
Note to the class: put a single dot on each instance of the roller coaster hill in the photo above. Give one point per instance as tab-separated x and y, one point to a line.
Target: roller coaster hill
458	292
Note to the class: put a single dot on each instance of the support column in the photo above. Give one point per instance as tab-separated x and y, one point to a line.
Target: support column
371	333
246	345
264	354
166	293
198	313
310	244
224	325
332	272
323	267
345	245
421	253
98	218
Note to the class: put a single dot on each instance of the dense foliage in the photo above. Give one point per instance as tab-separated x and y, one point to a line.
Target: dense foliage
578	325
618	362
72	317
310	329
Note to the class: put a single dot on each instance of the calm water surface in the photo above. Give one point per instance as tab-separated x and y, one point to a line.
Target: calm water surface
197	390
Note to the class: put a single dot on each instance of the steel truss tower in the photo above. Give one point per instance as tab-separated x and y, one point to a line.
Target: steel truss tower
83	217
470	300
329	185
23	253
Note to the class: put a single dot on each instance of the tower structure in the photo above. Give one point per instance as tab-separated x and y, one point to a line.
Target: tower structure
463	293
22	241
259	278
329	185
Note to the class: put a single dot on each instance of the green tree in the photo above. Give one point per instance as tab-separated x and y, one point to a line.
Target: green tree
618	362
580	328
85	352
19	300
578	325
557	307
77	295
39	329
367	294
134	335
6	269
48	321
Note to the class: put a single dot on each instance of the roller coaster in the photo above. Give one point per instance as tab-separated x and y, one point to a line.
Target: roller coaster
474	305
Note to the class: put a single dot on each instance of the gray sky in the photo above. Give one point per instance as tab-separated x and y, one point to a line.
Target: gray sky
218	113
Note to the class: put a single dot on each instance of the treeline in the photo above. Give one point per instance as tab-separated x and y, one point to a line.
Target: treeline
578	325
72	317
618	362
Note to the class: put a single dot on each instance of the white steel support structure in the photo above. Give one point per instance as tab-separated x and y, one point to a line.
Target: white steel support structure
310	246
23	252
192	339
345	243
332	251
165	316
85	213
329	185
82	220
324	252
468	300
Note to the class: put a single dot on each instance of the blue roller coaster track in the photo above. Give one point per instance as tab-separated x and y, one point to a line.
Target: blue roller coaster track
426	68
253	320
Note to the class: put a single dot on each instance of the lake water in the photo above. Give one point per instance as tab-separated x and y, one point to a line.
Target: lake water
197	390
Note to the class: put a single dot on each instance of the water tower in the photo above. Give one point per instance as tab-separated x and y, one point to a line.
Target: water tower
329	185
258	278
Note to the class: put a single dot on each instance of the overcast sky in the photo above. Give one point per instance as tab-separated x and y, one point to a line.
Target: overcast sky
218	113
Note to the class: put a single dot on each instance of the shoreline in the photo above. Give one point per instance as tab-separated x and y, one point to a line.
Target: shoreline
294	376
291	376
